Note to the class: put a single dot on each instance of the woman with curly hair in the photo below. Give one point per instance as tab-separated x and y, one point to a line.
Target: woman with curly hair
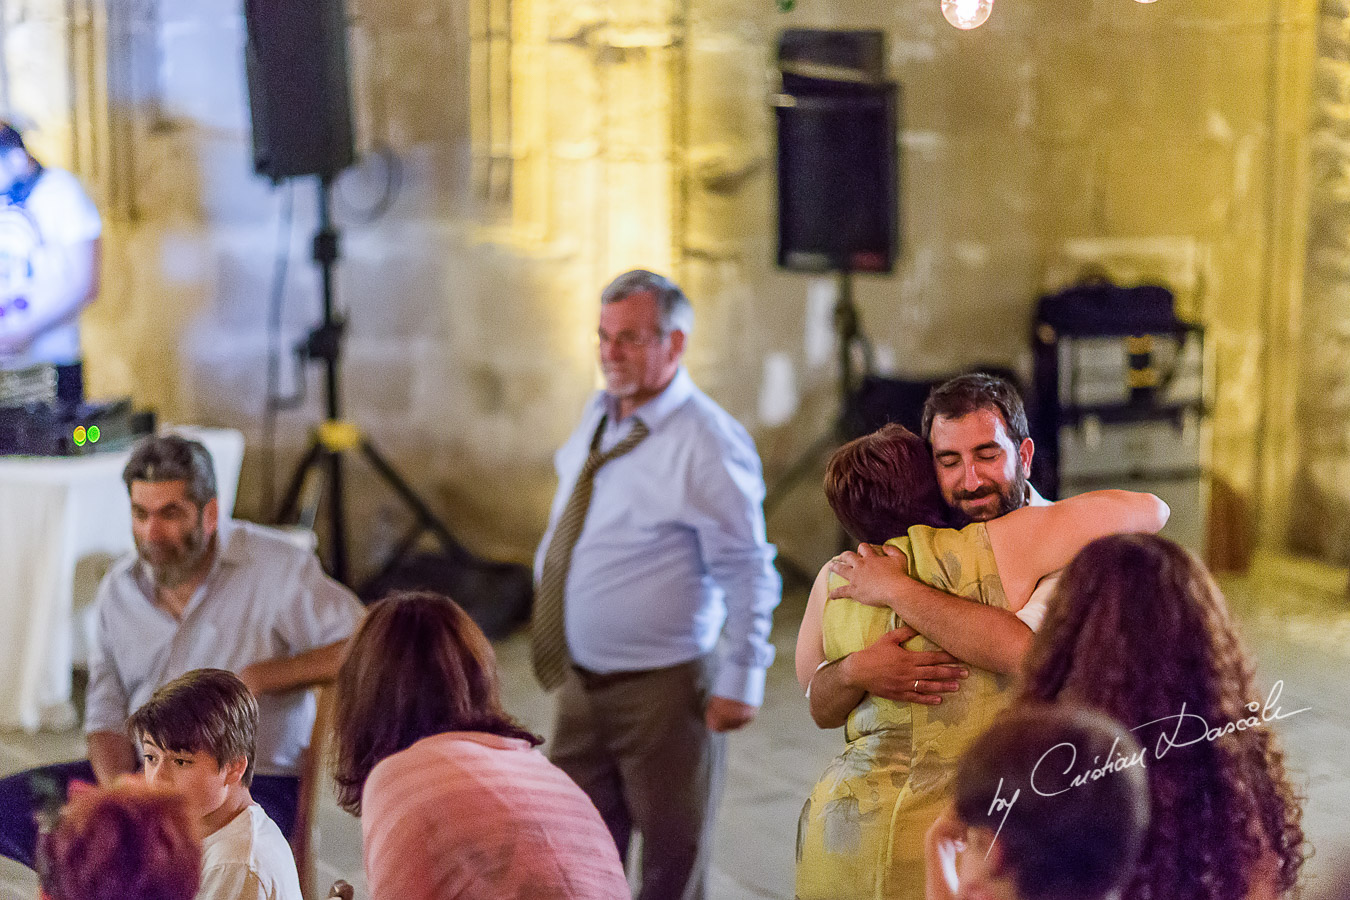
454	799
1138	629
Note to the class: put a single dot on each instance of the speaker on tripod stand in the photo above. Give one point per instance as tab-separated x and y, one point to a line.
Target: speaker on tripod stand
837	120
296	61
837	123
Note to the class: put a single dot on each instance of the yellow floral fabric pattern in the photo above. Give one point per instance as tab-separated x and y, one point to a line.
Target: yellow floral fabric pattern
861	831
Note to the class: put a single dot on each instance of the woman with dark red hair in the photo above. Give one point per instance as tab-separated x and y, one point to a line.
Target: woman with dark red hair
131	842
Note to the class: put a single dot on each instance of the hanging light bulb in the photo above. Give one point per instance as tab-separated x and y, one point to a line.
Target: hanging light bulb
1147	1
967	14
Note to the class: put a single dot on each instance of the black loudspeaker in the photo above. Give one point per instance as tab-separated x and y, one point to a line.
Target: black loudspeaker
296	60
808	55
838	126
881	400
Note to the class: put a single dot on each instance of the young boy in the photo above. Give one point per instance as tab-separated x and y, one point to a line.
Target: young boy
1052	803
197	735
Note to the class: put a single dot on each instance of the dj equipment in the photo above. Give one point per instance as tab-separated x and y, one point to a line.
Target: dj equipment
43	413
1120	400
78	430
42	383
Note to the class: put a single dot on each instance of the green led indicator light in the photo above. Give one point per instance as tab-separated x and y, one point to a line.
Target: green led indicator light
93	434
79	436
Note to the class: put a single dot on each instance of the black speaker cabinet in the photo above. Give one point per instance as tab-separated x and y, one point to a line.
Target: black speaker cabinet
838	199
296	60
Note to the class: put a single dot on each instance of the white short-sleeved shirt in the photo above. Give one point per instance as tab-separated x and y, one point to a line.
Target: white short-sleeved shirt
1033	614
248	859
263	599
37	238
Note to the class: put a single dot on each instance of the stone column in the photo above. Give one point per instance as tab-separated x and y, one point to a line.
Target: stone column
1321	419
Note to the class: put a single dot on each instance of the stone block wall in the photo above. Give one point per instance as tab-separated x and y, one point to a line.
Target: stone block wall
1321	419
546	145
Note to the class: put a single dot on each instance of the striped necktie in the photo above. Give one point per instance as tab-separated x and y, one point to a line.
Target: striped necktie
548	625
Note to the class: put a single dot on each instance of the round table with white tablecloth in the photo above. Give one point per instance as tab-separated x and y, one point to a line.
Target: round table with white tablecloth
63	520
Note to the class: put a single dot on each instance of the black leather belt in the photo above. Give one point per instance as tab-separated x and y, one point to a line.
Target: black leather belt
598	681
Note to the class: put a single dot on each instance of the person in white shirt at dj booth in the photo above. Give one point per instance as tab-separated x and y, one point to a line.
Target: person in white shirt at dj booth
50	245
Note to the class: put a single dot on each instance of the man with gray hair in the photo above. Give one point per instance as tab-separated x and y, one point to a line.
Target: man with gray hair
655	550
199	592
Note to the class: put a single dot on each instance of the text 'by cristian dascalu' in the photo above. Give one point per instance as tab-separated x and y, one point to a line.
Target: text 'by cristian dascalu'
1180	730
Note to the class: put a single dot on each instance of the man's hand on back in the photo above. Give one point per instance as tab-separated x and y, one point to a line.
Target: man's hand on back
876	576
990	637
886	669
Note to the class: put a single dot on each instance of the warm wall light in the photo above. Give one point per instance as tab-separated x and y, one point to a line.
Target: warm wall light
967	14
964	14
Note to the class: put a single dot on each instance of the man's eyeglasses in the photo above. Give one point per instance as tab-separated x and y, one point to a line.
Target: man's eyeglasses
629	340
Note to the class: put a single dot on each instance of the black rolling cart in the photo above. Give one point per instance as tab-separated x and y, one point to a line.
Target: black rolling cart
1119	400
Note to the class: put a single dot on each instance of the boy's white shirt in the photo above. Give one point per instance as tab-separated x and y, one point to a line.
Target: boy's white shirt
248	859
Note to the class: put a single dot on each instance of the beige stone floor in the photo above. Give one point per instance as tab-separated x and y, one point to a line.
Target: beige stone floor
1295	618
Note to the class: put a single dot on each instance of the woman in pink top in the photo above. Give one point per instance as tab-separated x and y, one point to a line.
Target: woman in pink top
454	800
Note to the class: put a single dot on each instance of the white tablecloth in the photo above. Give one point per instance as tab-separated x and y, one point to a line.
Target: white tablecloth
62	522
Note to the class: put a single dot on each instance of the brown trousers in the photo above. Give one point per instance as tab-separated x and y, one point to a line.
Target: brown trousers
637	744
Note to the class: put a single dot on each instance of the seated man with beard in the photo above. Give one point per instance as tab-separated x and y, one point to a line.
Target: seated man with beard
198	593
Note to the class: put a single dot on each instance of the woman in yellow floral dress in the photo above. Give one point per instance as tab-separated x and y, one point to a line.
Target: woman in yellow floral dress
861	831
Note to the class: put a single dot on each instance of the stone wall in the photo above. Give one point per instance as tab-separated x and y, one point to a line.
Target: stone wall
1322	419
1159	141
546	145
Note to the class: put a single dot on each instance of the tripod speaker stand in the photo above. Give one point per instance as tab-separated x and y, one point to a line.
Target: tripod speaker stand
847	424
320	470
